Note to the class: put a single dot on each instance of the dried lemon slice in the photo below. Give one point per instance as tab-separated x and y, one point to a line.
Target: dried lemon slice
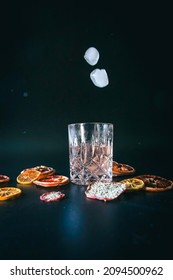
133	184
27	176
7	193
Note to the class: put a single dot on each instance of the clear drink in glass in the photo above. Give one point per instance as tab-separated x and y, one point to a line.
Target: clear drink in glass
90	152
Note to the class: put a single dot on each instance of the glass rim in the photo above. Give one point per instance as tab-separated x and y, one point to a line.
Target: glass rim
88	123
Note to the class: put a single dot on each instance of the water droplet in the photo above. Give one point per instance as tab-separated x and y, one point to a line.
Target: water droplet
25	94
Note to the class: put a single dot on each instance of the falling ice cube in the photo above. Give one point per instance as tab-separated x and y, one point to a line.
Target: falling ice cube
92	56
99	78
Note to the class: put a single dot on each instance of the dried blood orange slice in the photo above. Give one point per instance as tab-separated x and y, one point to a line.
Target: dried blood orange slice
52	181
4	178
44	170
51	196
105	191
27	176
7	193
133	184
121	169
154	183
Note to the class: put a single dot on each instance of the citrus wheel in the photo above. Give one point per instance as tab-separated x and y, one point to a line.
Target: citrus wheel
4	178
27	176
51	196
121	169
52	181
44	170
133	184
7	193
154	183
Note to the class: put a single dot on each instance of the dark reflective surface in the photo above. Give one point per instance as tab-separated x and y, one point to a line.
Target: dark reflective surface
134	226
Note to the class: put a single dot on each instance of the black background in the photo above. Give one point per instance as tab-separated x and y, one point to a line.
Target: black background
45	83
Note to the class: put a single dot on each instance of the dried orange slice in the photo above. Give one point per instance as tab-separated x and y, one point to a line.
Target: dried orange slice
4	178
154	183
27	176
7	193
44	170
52	181
122	169
133	184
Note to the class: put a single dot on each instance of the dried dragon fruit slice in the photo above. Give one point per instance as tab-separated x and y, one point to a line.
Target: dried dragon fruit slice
51	196
105	191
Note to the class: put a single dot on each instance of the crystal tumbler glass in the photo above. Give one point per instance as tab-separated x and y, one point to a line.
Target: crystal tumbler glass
90	152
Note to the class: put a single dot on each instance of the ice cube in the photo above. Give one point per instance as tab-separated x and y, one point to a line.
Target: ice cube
92	56
99	78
